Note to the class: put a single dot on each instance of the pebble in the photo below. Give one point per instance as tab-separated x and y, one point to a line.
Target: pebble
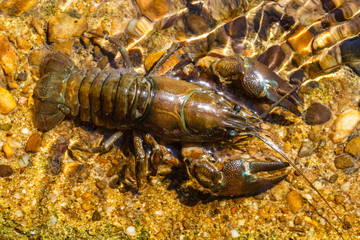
114	183
19	213
8	60
8	150
306	149
139	27
53	220
131	231
345	187
153	9
13	85
64	46
294	201
317	113
22	43
311	221
24	131
5	126
96	216
17	7
344	125
5	170
24	161
234	234
7	101
38	25
63	26
344	161
353	147
333	178
36	56
197	24
101	184
33	143
86	206
339	199
22	101
71	168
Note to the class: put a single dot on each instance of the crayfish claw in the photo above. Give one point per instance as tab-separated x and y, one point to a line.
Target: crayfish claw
255	167
273	95
238	177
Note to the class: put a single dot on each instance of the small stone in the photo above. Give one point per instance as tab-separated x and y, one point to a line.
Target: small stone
114	183
153	9
317	113
101	184
5	126
86	206
297	221
13	85
139	27
345	187
17	7
294	201
152	58
7	101
348	221
234	234
36	57
64	46
86	196
22	101
311	221
8	60
5	170
197	24
38	25
71	168
19	213
33	143
24	161
344	161
22	43
21	77
131	231
339	199
112	171
353	147
63	26
306	149
96	216
344	125
9	152
333	178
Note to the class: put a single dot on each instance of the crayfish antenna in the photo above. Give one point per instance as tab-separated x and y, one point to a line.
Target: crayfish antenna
271	144
264	114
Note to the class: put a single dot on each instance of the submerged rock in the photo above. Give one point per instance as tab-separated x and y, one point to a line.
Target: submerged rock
317	113
17	7
353	147
8	60
63	26
7	101
344	125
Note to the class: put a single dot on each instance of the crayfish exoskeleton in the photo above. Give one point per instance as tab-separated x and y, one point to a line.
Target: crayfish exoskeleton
169	109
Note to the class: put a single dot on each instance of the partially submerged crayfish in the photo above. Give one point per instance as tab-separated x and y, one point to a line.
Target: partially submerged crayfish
169	109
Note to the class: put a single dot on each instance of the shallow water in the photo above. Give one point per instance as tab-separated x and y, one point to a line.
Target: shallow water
54	194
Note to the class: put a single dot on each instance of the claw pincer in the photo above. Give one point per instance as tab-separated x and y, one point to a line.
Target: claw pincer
229	175
257	80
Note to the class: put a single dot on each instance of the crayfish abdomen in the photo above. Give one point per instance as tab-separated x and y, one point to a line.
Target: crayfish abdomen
173	109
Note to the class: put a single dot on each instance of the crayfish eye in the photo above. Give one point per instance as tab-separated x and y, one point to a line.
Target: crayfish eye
237	108
232	133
